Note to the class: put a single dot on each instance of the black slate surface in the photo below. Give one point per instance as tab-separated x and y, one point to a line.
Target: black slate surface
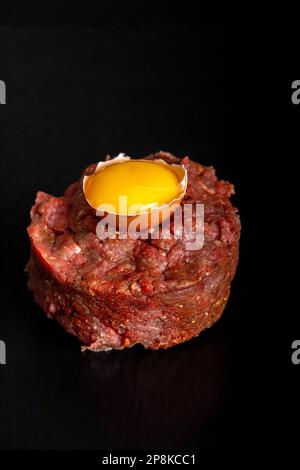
75	94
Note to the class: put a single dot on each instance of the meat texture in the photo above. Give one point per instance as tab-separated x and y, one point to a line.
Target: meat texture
115	293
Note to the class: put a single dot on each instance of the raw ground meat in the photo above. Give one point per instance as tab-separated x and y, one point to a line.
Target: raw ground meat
117	293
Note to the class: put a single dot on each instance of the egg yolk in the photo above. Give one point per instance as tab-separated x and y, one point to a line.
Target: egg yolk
145	185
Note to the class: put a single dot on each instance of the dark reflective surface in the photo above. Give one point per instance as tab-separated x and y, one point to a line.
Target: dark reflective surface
54	396
73	96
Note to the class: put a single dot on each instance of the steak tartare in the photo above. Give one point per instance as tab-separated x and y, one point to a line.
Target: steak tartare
116	293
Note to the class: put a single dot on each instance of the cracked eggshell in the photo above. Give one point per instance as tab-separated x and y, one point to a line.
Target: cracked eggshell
159	213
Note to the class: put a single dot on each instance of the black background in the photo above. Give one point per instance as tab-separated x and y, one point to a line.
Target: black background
133	81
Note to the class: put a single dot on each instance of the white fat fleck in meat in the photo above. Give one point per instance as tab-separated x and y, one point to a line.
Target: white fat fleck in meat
70	249
52	308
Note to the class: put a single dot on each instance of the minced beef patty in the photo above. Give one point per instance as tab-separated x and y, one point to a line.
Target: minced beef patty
117	293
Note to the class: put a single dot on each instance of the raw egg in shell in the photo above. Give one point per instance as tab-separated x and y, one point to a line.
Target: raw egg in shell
130	188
